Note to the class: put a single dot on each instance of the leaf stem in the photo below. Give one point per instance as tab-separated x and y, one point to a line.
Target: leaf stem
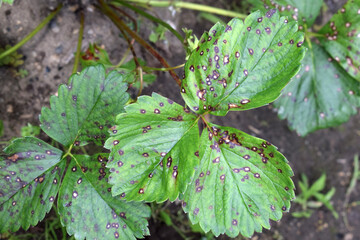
121	25
152	18
313	34
78	49
189	5
32	34
141	81
148	69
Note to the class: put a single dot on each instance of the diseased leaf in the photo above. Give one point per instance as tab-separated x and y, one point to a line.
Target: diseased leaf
322	94
23	161
342	40
29	204
241	183
86	108
87	208
242	65
304	11
153	150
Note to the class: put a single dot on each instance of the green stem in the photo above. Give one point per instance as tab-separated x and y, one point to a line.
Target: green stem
148	69
152	18
188	5
78	48
121	25
313	34
32	34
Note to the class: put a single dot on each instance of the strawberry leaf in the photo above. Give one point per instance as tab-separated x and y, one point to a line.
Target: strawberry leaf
24	160
342	40
153	150
30	175
86	108
322	94
304	11
242	65
241	182
87	208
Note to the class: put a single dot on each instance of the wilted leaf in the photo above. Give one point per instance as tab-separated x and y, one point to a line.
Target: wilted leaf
24	160
342	38
322	94
87	208
240	184
30	175
153	150
304	11
86	108
242	65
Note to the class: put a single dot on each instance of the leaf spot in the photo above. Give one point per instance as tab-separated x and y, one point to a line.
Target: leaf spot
196	211
234	222
246	169
145	155
222	177
116	142
141	191
256	175
75	194
79	181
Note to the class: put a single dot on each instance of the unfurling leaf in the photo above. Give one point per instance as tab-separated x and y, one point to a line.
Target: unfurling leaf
30	175
241	183
153	150
321	95
87	208
86	108
95	55
242	65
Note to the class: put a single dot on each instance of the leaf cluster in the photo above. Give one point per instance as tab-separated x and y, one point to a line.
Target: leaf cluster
228	181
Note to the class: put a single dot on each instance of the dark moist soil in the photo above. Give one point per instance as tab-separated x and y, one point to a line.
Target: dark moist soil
49	61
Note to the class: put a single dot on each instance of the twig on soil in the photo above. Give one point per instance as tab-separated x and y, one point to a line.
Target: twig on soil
121	25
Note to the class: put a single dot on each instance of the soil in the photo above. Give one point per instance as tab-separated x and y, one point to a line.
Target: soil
49	60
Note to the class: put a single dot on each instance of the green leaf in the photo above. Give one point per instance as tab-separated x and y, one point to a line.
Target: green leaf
304	11
87	208
24	160
6	1
86	108
95	55
322	94
14	59
342	40
241	182
153	150
30	176
30	130
242	65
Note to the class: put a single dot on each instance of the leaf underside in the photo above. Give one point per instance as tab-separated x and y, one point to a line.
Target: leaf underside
30	176
88	209
342	40
320	96
86	108
325	93
242	65
304	11
240	184
153	150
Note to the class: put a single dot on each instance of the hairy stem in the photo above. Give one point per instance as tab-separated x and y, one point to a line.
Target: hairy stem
121	25
188	5
78	48
32	34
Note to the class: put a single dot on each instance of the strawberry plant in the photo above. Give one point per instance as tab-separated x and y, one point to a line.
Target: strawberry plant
229	182
326	92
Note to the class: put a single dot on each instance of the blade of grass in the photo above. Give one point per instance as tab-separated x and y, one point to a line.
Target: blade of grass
32	34
78	48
